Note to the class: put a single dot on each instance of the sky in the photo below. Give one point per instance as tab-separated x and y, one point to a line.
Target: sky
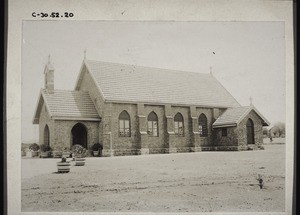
248	58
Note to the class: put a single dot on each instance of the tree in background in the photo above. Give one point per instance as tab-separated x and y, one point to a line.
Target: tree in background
278	130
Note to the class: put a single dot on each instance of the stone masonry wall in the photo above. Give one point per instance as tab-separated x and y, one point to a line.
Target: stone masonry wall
155	144
63	136
180	143
43	121
237	136
199	142
121	145
229	142
258	131
90	86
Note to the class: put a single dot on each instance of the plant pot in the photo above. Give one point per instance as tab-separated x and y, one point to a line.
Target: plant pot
31	154
57	154
45	154
96	153
63	167
79	161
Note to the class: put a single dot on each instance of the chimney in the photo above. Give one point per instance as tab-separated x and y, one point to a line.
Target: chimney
49	77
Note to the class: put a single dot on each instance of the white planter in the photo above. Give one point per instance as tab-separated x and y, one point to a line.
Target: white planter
63	167
79	161
31	154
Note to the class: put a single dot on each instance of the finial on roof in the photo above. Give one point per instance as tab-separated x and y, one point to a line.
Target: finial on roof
210	70
84	54
49	59
251	99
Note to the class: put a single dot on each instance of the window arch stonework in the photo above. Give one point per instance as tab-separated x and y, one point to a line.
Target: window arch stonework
46	135
178	125
124	124
202	121
152	125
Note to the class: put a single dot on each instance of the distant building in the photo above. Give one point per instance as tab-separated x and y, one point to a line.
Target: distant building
139	110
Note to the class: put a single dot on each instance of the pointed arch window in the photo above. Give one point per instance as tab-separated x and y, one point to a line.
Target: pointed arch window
152	129
124	124
178	125
46	136
203	125
250	132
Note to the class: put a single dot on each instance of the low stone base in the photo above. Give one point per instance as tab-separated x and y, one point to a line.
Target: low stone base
196	149
219	148
144	151
171	150
250	147
107	153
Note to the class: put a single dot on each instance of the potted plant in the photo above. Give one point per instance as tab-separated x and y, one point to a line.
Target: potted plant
96	149
78	153
45	151
63	166
33	150
66	152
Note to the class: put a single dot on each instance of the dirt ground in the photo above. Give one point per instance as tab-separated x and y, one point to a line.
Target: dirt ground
185	182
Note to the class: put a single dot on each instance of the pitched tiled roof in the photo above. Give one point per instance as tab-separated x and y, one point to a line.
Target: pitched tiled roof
232	116
129	83
67	105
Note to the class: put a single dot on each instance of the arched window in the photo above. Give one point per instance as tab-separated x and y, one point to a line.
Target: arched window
152	124
250	131
178	123
203	125
46	135
124	124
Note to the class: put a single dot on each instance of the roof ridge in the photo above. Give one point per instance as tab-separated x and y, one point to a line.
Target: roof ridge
150	67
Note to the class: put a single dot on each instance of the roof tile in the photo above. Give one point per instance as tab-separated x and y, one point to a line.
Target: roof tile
73	104
130	83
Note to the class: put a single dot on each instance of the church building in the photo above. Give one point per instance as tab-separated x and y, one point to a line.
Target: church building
132	110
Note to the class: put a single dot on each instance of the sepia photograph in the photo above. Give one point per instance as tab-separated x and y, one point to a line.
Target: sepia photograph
153	116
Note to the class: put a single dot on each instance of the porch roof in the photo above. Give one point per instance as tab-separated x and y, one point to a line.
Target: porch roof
65	104
233	116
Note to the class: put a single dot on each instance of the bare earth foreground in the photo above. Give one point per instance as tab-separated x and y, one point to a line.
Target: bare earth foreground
186	182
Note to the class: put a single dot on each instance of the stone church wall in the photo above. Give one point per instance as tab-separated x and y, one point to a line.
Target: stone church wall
155	144
43	121
236	138
258	131
63	135
60	131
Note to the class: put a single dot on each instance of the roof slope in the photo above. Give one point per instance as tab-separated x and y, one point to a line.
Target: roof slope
233	116
129	83
66	104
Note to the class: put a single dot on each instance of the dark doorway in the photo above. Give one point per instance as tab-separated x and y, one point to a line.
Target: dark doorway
79	135
250	132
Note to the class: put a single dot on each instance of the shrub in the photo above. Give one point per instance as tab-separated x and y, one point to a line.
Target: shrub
78	149
45	148
34	147
97	146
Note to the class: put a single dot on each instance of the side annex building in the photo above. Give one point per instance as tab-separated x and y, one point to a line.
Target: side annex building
133	110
